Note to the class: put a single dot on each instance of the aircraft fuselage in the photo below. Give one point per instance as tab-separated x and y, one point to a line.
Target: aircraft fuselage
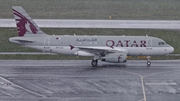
133	45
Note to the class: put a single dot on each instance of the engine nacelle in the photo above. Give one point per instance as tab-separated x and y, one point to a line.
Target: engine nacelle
115	58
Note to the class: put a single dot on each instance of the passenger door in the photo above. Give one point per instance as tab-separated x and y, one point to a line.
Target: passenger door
149	44
46	44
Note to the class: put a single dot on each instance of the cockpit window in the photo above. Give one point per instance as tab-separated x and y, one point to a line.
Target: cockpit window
162	43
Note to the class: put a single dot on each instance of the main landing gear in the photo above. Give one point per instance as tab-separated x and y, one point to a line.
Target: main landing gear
148	61
95	61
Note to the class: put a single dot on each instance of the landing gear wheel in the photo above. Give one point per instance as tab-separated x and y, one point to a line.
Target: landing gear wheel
94	62
148	63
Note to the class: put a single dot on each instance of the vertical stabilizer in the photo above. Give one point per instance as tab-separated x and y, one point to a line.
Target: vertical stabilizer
25	25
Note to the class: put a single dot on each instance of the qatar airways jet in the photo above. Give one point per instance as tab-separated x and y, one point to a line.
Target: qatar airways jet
113	49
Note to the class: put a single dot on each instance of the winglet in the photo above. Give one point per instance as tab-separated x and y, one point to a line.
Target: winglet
71	47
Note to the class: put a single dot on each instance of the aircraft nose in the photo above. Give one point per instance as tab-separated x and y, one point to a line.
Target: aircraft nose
171	49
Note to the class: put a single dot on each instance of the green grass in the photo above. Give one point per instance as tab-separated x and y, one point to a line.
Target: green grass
6	46
170	36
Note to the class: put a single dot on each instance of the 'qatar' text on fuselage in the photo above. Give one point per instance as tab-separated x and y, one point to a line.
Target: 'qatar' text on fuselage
126	43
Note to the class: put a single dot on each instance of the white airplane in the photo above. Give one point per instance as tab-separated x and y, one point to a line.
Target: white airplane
114	49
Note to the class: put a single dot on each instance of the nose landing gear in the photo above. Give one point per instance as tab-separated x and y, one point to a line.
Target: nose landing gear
95	61
148	61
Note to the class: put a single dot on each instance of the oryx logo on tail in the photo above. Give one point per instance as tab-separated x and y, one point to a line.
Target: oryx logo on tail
23	24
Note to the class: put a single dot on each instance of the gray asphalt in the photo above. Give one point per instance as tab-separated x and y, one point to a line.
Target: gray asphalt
76	80
82	23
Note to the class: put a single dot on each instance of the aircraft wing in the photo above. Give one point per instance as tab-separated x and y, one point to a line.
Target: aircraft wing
100	50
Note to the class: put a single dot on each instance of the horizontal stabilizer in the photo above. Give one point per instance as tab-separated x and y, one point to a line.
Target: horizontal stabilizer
20	40
25	41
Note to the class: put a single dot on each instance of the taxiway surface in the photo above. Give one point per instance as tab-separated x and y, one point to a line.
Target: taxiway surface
69	80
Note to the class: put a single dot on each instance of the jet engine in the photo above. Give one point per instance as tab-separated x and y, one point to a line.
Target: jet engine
115	57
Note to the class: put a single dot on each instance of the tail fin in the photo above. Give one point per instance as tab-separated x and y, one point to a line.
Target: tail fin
25	25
